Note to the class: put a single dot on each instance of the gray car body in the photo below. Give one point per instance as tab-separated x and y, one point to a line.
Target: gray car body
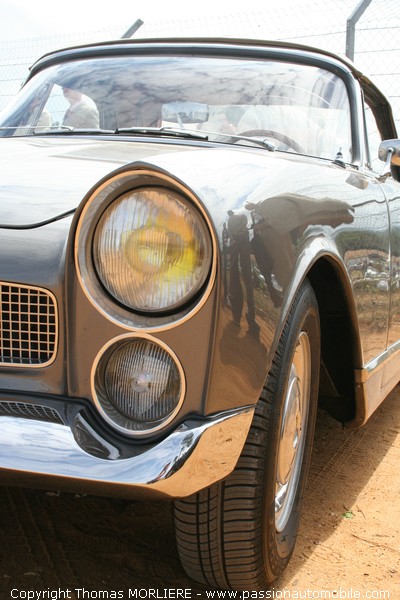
322	225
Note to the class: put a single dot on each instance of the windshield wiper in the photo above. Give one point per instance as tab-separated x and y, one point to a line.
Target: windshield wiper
263	142
67	130
193	134
162	131
151	131
27	130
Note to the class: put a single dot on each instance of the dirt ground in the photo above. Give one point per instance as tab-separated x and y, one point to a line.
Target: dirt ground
67	546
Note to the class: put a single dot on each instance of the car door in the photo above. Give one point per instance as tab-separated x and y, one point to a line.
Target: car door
391	190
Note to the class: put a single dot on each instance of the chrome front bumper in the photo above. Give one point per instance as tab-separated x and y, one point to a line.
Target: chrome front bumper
195	455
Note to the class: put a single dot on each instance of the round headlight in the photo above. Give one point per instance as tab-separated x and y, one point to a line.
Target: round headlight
152	250
139	385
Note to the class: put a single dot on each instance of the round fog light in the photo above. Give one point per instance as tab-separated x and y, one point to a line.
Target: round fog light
139	385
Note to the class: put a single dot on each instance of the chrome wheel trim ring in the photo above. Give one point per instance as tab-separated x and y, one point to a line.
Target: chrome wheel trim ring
292	435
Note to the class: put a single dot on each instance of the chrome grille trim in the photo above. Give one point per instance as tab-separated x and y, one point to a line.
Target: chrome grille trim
28	326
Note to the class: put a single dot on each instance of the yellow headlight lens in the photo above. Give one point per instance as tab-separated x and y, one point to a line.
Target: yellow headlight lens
152	250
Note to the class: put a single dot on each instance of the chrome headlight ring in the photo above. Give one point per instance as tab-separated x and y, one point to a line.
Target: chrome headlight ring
144	250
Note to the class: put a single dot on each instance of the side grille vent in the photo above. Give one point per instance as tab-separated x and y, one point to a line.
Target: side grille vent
30	411
28	326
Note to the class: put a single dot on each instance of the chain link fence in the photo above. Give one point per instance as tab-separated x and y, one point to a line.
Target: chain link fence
320	23
377	49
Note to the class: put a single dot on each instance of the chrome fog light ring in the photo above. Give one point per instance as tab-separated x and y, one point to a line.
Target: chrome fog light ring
138	384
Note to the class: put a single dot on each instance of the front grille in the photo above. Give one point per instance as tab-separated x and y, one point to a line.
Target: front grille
28	326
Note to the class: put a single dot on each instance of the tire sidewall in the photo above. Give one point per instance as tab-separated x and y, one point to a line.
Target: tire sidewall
279	545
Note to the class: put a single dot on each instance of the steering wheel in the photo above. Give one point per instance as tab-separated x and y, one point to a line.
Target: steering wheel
275	135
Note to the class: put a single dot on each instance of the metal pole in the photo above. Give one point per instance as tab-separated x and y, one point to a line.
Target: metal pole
351	27
132	29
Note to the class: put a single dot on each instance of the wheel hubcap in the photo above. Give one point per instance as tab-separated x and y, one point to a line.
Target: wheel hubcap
293	432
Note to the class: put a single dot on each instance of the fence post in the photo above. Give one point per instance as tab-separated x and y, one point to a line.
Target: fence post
351	27
132	29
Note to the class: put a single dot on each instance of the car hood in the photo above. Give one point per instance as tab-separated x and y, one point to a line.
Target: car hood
42	178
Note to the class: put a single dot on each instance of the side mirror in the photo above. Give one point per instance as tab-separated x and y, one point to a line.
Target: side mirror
390	148
389	153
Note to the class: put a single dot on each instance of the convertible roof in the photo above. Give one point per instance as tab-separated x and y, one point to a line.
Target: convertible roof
196	42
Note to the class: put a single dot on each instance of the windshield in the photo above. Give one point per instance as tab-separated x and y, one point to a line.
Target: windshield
299	108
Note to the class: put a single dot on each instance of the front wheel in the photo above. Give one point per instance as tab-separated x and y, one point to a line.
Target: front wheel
240	533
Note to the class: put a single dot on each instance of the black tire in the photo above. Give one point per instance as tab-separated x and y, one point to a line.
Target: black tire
240	533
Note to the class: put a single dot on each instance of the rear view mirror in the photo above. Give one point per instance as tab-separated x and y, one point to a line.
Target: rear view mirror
185	113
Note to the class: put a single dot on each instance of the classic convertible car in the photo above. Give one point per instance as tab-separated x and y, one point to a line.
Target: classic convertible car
199	245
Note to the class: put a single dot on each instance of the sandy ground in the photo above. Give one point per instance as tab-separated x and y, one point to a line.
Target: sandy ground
67	546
